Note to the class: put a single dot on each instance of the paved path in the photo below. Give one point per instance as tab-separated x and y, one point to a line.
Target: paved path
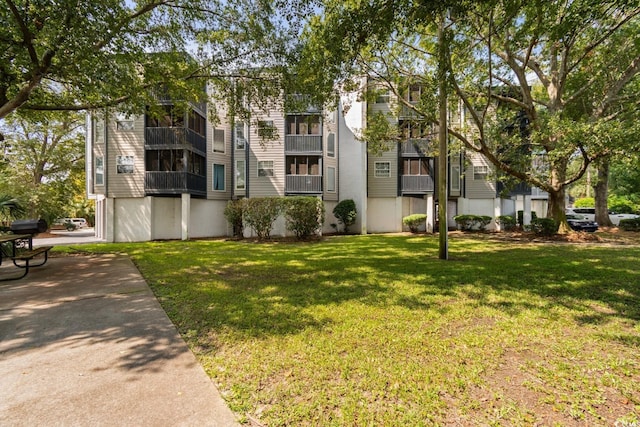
84	342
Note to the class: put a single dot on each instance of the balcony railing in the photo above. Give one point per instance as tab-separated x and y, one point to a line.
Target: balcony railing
416	147
174	183
155	137
417	184
303	184
303	144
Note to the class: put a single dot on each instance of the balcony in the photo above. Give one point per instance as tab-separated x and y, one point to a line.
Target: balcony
175	183
416	147
416	184
308	144
303	184
156	138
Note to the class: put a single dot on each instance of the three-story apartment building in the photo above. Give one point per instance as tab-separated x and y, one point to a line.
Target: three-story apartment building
170	175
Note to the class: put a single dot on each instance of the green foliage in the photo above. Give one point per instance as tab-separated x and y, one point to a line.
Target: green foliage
110	53
45	166
304	215
468	222
544	226
585	202
10	208
506	222
346	213
622	204
414	221
260	213
234	212
630	224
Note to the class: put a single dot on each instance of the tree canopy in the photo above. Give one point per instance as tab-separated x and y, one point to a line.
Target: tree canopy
547	80
78	55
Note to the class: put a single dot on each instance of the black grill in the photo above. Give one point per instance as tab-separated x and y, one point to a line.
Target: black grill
29	226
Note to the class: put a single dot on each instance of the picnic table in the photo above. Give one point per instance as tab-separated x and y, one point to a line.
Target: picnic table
19	249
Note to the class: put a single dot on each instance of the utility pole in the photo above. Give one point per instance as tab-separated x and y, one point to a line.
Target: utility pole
443	151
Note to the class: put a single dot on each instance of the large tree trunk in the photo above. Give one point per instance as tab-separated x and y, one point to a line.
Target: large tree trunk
601	194
556	208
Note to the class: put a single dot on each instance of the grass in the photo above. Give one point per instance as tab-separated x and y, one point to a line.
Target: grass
376	330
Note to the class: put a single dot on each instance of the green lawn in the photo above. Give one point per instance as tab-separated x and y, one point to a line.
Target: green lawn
377	331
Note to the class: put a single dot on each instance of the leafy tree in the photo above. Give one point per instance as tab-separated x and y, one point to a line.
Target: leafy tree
10	208
70	55
536	78
44	164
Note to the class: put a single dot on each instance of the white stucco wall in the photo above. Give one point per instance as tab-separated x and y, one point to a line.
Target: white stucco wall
207	219
132	219
166	216
384	215
352	160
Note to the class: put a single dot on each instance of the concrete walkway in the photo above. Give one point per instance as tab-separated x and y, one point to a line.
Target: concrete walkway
83	341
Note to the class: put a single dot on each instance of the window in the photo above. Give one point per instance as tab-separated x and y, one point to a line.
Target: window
241	141
124	125
303	165
218	140
165	117
303	125
382	169
266	129
99	170
218	177
415	167
382	97
414	93
98	129
167	161
480	172
124	164
455	178
331	145
331	180
197	123
240	175
265	168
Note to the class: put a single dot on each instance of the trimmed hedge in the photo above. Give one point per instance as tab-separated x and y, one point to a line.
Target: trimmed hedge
414	221
544	226
506	222
472	222
233	212
304	215
630	224
346	213
260	213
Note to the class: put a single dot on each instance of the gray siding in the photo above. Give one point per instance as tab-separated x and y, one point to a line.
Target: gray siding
125	143
479	188
267	150
383	187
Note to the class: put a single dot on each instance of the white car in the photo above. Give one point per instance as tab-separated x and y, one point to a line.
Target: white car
616	217
70	223
590	214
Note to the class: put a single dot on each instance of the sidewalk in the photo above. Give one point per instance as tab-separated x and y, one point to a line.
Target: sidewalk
83	341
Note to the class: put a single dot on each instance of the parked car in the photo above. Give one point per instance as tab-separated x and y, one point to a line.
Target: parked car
580	223
617	217
590	214
69	223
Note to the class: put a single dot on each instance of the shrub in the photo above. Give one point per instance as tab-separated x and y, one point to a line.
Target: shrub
472	222
233	212
345	211
631	224
260	214
414	221
585	202
506	222
544	226
304	215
